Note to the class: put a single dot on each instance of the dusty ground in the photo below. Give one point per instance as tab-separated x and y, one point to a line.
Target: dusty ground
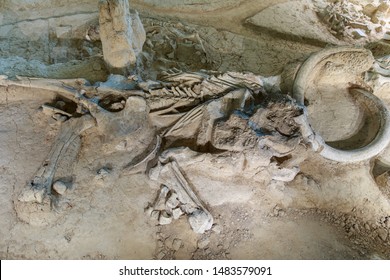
329	211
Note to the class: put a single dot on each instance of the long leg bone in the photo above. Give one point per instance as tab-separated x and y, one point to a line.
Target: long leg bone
41	184
69	88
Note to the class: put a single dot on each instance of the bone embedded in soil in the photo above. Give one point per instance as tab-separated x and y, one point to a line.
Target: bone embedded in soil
181	131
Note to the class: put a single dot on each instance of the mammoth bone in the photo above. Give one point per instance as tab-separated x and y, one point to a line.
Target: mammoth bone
139	116
148	116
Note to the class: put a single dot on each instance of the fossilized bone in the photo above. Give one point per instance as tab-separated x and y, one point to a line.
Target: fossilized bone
184	199
206	99
67	88
116	126
121	33
212	98
307	74
41	184
165	99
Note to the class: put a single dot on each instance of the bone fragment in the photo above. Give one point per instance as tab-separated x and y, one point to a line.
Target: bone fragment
176	213
285	174
50	110
161	199
172	201
200	219
164	218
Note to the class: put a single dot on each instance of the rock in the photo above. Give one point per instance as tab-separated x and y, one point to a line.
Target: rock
176	244
60	187
200	221
176	213
382	233
203	243
164	218
121	33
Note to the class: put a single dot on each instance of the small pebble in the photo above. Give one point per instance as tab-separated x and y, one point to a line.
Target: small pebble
60	187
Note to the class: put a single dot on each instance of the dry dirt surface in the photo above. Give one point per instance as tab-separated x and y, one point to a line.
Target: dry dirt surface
294	204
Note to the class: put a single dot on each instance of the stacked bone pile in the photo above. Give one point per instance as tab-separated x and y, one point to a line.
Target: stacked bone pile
348	20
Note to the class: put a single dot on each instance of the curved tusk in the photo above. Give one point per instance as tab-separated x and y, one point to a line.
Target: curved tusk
377	145
305	76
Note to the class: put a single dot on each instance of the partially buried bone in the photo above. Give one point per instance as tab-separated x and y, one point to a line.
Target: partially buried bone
182	199
66	87
41	184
